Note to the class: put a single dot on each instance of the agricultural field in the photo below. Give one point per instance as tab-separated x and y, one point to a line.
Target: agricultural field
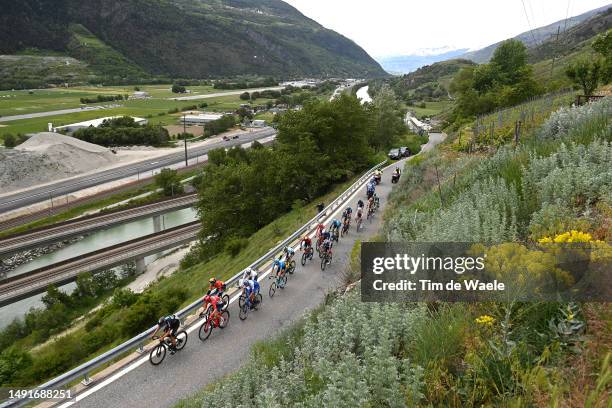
155	109
433	108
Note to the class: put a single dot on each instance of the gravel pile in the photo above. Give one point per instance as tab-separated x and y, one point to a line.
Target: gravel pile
46	157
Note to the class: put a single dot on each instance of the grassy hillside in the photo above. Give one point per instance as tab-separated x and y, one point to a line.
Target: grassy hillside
189	39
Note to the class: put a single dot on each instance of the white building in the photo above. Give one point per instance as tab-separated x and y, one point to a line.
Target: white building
91	123
258	123
200	119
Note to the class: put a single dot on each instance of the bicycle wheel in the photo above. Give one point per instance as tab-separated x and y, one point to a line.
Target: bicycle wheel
258	301
225	316
283	282
244	311
241	301
205	330
304	259
291	267
272	289
157	354
225	299
181	339
323	263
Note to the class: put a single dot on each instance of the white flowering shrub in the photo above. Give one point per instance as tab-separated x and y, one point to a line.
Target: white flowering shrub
565	120
352	354
574	175
486	212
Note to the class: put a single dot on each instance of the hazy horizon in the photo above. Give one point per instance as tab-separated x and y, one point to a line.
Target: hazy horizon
439	24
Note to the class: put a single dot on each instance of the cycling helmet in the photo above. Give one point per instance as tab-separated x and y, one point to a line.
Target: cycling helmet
241	282
207	298
276	262
286	249
212	280
160	321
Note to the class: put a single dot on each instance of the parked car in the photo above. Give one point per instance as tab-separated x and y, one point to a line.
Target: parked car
404	151
226	138
394	154
235	137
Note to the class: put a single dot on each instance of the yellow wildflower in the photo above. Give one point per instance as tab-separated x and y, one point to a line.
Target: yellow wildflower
485	320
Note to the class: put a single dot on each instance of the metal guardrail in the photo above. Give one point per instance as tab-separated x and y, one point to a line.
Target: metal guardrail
138	341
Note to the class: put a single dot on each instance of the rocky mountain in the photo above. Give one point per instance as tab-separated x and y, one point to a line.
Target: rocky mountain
535	37
181	38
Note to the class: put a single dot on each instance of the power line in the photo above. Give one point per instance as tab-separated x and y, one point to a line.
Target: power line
528	22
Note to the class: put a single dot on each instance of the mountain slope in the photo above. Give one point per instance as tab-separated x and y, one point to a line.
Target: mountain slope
403	64
535	37
191	38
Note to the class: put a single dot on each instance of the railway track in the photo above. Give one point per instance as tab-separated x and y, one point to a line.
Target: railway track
79	226
21	286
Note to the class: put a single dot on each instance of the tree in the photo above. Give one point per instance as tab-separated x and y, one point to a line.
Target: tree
12	361
585	74
510	59
176	88
386	119
169	181
10	141
55	296
245	96
603	45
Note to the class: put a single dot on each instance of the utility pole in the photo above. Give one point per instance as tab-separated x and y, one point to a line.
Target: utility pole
185	139
552	66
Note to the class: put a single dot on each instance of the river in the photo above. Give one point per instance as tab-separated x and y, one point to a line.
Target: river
97	240
363	95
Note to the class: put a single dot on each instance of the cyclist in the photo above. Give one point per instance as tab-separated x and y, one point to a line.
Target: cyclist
376	202
335	226
169	324
360	204
251	289
346	214
359	216
306	243
378	176
250	273
288	252
320	229
216	287
217	305
280	267
327	246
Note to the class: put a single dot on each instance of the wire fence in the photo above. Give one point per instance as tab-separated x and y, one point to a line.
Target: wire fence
510	124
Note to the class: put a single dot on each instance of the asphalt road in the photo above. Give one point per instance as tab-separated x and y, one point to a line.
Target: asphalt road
49	113
199	364
25	198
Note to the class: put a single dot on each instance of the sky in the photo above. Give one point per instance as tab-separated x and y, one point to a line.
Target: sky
403	27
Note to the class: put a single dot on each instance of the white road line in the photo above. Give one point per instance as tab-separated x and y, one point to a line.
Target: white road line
194	327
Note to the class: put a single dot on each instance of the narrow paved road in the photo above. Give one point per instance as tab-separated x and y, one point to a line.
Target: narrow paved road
48	113
24	198
199	364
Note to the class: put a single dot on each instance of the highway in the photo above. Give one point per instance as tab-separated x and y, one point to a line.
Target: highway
199	364
24	198
21	286
84	225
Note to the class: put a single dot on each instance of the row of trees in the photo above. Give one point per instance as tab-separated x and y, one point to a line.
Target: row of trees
219	125
324	143
245	84
104	98
124	131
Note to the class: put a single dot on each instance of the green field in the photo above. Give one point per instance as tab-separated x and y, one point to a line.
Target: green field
431	108
154	109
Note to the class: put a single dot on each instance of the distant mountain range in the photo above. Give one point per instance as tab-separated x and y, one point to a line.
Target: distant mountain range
124	39
535	37
403	64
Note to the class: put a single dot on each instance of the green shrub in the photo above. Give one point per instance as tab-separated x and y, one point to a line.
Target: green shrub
235	245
